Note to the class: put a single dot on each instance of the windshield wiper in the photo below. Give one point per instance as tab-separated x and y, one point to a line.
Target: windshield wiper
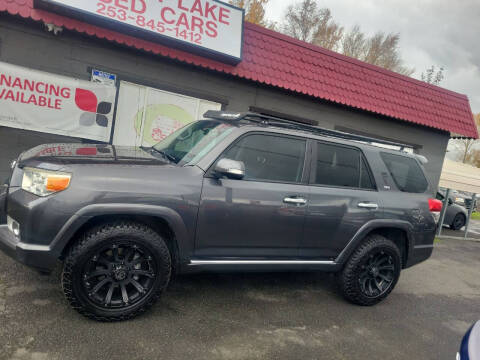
166	155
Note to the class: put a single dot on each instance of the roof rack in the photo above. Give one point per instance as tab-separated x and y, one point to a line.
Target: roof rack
279	122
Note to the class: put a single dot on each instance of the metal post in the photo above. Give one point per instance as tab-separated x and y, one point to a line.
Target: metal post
469	215
442	213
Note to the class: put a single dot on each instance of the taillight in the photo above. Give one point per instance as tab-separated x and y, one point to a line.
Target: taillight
435	205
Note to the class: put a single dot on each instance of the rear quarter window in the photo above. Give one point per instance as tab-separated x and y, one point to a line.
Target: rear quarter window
341	166
406	172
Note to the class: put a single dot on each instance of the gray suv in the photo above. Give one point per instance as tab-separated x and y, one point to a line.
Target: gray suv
233	192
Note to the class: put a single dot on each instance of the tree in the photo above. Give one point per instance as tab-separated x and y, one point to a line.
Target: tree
254	11
302	19
354	43
474	158
433	75
305	21
466	147
328	33
382	50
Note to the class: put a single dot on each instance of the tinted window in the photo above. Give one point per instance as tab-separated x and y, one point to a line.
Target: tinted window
406	173
270	158
341	166
365	178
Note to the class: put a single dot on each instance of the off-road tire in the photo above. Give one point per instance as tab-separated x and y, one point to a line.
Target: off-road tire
349	278
98	236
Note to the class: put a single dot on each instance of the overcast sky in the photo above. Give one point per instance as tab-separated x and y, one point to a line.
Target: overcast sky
432	32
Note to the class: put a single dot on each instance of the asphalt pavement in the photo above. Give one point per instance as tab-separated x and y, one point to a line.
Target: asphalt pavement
253	316
473	231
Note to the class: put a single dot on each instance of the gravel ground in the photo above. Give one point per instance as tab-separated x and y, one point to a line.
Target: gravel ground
253	316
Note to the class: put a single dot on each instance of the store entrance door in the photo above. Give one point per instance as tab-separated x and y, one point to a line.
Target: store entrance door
146	115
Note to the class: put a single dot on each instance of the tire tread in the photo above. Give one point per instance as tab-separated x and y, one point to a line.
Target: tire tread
347	278
95	235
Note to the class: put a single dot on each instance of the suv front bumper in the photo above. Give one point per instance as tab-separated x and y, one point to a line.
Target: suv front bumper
36	256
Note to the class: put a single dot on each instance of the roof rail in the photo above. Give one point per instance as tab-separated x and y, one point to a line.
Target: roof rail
279	122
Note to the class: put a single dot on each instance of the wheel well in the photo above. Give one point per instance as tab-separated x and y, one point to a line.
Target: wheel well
157	224
398	236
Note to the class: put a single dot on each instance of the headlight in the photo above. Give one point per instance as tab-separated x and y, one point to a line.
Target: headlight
459	200
44	182
13	226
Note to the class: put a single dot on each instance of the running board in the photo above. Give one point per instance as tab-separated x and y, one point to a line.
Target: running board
261	262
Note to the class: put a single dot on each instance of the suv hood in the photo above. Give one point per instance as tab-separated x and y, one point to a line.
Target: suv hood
66	154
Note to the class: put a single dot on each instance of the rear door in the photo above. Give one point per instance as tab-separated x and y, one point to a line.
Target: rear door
262	215
343	197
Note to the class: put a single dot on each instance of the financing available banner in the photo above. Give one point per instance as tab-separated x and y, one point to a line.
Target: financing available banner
40	101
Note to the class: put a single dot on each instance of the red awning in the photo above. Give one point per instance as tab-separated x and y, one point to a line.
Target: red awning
274	59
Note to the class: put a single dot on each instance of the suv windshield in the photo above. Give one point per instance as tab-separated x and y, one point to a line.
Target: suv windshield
190	143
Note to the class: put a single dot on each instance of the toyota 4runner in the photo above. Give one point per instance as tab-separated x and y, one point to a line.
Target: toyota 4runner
233	192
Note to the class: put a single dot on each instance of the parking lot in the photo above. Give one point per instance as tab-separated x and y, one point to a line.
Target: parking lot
473	231
253	316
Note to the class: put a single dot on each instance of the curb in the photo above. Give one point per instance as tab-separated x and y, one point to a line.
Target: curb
441	237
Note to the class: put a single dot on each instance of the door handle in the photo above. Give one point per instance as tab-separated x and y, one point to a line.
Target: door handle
295	201
368	205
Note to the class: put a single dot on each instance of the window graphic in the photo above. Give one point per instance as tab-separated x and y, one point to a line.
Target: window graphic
146	115
94	112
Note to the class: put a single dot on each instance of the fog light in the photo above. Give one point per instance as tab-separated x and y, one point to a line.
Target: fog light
13	226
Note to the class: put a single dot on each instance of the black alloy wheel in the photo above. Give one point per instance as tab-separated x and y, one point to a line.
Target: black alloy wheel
119	275
377	275
116	271
371	272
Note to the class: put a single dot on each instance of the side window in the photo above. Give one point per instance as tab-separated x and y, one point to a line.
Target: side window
406	173
341	166
365	177
270	158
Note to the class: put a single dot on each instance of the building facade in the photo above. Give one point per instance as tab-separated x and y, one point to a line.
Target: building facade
160	87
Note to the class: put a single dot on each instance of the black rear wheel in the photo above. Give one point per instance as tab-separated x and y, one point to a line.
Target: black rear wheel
116	271
372	271
458	222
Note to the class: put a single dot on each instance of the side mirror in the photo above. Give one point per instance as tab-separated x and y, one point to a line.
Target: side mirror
450	201
232	169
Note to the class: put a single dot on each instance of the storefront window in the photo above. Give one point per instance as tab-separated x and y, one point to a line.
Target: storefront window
146	115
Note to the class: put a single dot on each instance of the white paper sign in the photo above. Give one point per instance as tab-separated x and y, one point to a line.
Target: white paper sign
146	116
40	101
207	24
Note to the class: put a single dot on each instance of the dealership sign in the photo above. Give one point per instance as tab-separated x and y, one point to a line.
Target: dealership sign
208	27
39	101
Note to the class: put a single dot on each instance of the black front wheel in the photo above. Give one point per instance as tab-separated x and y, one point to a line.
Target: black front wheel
372	271
116	271
458	222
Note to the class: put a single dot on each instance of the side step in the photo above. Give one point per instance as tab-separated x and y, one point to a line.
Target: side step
261	262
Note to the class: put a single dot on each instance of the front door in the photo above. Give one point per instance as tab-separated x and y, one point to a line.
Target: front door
342	199
262	215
